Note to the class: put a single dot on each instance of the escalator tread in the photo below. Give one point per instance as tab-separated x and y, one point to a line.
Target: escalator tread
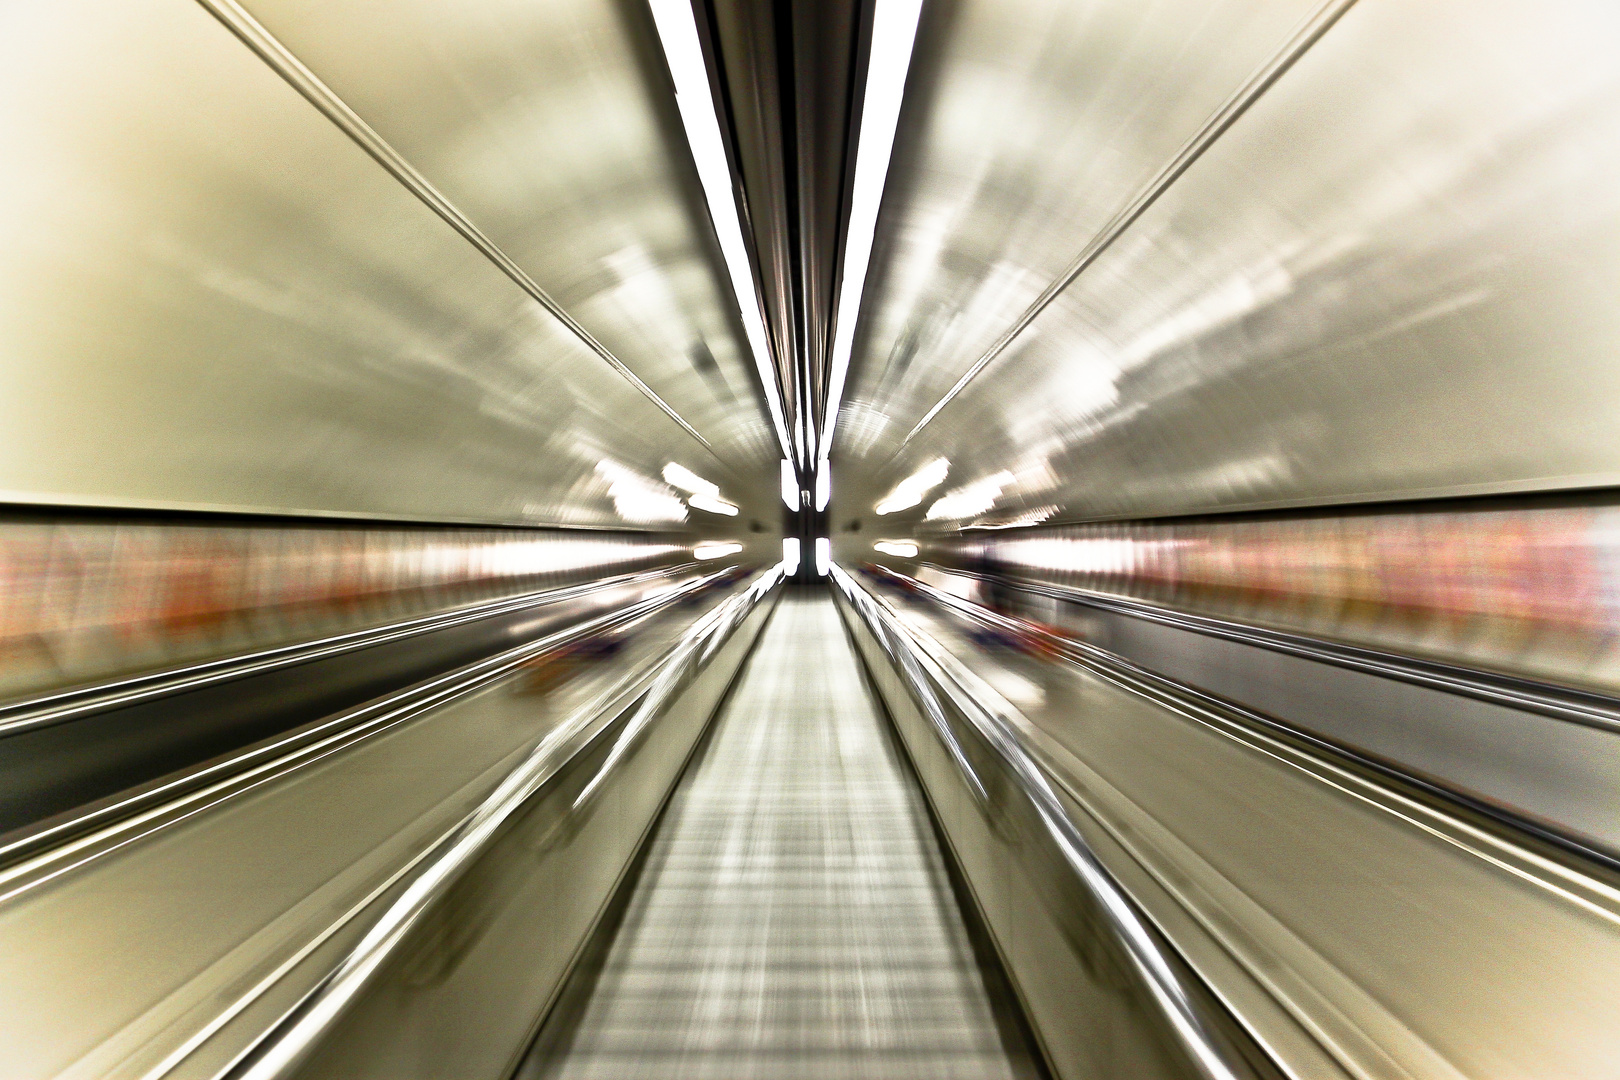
794	917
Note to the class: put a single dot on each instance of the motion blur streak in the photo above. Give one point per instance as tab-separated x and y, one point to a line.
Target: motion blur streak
433	642
1535	591
84	600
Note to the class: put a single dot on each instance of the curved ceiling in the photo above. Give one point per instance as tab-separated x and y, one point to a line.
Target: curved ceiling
1170	258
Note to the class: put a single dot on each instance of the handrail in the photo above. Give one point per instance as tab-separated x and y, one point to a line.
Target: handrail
1148	959
1137	679
59	706
1592	708
22	855
280	1050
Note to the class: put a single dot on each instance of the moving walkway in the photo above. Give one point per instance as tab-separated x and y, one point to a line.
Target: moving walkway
762	830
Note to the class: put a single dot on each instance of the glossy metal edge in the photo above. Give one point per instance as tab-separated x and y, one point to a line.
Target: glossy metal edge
37	856
1560	702
1130	926
281	60
279	1051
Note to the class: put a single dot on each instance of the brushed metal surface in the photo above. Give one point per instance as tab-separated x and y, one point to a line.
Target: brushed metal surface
213	298
1359	933
1387	279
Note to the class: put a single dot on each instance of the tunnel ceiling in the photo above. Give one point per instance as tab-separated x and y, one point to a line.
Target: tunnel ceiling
1150	259
458	262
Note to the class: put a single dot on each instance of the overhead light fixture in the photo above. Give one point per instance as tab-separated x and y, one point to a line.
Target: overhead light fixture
900	549
715	550
971	499
677	33
790	485
894	31
790	555
1020	521
639	499
823	484
713	504
823	556
702	494
910	491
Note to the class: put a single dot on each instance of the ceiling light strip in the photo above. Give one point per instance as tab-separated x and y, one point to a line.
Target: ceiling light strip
1309	32
317	93
684	53
894	32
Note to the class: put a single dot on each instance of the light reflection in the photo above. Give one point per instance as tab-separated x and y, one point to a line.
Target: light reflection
971	499
639	499
894	30
703	494
677	33
715	550
910	491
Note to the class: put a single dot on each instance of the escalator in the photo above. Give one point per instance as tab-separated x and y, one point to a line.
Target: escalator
794	915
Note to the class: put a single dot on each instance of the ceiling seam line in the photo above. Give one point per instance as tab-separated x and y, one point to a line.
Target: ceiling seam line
293	71
1310	31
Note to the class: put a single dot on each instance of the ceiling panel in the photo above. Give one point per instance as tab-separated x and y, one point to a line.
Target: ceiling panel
1392	277
211	298
552	126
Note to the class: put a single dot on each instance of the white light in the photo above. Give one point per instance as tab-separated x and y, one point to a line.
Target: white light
688	481
971	499
1027	518
900	549
910	491
823	556
682	50
894	31
823	484
790	555
713	504
790	485
640	499
715	550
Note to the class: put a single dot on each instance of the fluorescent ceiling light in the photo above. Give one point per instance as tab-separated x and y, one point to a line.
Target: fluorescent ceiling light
900	549
790	485
1027	518
910	491
684	54
715	550
823	484
823	556
790	555
894	31
974	498
714	504
639	499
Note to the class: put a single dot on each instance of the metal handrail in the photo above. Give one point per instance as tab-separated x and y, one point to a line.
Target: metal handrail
1136	679
280	1050
22	857
1593	708
1155	968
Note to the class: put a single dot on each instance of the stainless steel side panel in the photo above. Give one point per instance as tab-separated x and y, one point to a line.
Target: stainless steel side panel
464	996
1086	1010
